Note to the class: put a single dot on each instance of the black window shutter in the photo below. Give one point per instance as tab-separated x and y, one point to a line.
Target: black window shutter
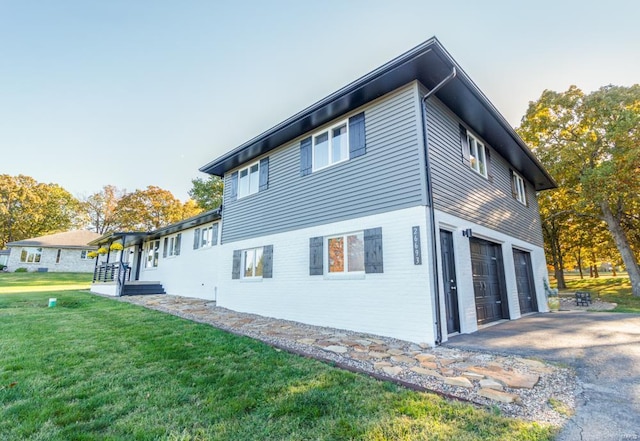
165	248
487	155
214	233
237	260
513	184
357	144
178	243
306	157
464	145
373	251
316	256
234	186
526	198
267	263
196	238
264	174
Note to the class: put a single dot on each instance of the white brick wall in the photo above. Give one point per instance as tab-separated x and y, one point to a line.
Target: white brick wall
464	275
396	303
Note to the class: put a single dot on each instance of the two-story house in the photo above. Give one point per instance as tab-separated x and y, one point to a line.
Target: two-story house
402	205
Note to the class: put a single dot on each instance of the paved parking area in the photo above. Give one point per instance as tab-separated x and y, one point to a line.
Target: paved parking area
603	348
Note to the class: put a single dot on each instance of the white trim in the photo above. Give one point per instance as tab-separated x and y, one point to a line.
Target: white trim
480	156
240	195
254	266
328	130
345	269
520	189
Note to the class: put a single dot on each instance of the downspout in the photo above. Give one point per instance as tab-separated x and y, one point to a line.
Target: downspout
432	215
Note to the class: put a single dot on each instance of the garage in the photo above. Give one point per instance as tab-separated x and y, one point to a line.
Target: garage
488	281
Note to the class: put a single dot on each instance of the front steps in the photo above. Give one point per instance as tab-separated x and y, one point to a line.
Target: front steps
138	288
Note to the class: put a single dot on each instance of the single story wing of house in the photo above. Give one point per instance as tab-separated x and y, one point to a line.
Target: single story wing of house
59	252
401	205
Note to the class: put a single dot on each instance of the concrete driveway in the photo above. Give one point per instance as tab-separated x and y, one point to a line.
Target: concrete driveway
604	349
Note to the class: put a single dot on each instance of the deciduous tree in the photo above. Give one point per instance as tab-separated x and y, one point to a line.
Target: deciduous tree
207	192
591	144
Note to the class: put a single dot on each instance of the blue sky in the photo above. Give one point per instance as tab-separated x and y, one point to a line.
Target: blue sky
137	93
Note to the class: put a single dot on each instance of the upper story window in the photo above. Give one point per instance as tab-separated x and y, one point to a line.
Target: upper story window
338	143
331	146
153	253
249	180
518	188
477	155
205	236
31	255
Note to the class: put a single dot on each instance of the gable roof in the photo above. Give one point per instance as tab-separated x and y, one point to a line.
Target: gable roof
68	239
428	63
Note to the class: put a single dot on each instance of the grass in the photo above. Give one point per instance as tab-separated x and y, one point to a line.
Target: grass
41	282
607	288
93	368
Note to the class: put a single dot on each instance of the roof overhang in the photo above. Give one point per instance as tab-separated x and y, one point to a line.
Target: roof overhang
130	238
428	63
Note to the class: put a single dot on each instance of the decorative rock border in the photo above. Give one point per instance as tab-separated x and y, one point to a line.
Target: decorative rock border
519	387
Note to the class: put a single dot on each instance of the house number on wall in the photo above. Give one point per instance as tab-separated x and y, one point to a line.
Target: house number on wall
417	251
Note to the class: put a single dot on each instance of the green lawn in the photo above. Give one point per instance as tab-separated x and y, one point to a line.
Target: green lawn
97	369
607	288
39	282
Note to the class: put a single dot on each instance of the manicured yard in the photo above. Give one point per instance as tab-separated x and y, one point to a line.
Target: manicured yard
608	288
96	369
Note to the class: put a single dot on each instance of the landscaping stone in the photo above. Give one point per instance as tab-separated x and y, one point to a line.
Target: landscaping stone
403	359
392	370
510	379
497	395
423	371
337	349
425	357
381	364
488	383
459	381
376	354
429	364
472	375
395	352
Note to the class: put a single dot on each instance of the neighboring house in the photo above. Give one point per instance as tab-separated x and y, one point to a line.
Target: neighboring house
402	205
60	252
4	257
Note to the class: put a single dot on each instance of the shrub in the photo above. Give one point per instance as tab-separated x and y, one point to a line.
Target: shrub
21	270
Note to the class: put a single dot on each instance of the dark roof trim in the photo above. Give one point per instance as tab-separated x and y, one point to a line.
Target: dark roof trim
428	63
129	238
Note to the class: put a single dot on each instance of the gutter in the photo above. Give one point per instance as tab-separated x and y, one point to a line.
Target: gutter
432	216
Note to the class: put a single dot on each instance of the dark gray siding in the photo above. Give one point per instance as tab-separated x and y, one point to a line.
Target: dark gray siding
460	191
386	178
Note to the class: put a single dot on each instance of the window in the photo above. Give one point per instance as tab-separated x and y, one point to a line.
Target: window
477	155
252	263
31	255
153	251
58	255
172	245
205	236
518	188
83	255
351	253
331	146
249	180
345	254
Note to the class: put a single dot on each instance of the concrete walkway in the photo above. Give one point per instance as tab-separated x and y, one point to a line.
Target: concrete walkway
604	349
520	387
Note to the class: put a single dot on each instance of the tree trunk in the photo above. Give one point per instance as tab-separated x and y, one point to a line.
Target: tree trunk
613	270
622	243
579	260
591	271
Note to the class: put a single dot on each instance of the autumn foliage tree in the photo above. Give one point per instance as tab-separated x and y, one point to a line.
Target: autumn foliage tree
29	208
150	209
591	145
207	193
